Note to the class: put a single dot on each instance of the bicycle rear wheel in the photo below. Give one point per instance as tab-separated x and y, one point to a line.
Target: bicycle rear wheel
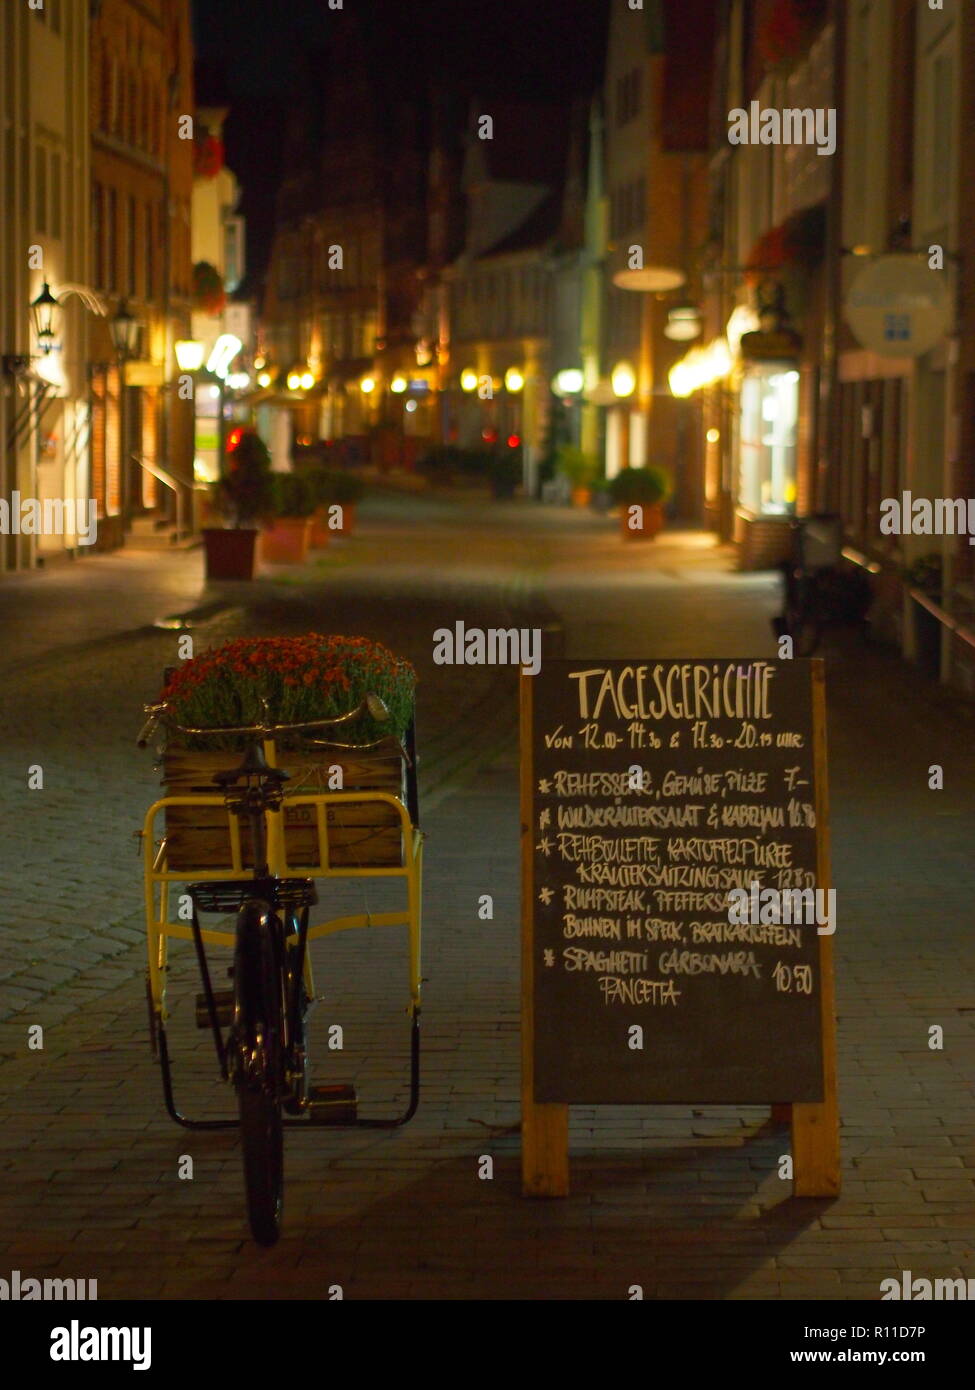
258	1068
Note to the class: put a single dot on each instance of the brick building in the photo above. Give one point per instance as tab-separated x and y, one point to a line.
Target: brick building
140	97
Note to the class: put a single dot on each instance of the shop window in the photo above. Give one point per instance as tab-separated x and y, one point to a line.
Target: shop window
769	420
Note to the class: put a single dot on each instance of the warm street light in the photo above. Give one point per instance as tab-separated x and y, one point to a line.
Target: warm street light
189	354
42	312
513	379
683	323
398	384
225	349
468	379
307	380
264	379
623	380
367	384
568	382
294	381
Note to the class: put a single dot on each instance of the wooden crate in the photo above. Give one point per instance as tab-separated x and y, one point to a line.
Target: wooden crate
360	834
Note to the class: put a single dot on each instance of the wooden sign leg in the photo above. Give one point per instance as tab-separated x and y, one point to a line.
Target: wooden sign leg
544	1128
544	1150
816	1127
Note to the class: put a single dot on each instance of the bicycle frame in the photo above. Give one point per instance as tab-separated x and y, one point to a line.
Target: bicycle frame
163	926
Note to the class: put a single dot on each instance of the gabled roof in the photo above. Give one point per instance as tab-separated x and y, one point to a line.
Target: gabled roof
529	141
538	228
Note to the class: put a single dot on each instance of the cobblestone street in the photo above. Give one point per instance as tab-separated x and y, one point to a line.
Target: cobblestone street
684	1201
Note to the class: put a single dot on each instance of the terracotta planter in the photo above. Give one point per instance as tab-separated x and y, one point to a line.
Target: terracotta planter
320	531
285	541
653	520
581	496
229	554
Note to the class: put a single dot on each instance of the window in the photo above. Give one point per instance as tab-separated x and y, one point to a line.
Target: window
97	237
133	228
769	419
627	96
56	195
105	105
40	188
111	270
148	285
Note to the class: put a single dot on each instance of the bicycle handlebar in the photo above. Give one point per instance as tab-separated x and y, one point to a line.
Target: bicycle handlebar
370	703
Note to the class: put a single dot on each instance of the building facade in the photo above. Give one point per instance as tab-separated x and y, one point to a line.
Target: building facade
344	287
141	121
656	135
44	180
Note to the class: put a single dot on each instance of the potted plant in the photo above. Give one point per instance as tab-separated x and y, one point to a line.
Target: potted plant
343	490
640	494
290	680
284	540
925	576
581	469
243	498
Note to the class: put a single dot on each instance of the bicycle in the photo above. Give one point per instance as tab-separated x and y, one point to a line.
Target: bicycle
816	593
264	1055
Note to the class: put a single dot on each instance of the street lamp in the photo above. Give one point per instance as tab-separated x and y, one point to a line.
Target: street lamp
42	310
189	354
124	328
623	380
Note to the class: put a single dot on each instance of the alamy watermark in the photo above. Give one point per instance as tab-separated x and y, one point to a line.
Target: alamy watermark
493	646
20	1289
792	125
783	907
926	1290
54	516
908	515
77	1343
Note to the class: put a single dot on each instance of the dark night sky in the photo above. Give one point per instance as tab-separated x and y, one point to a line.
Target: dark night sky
246	60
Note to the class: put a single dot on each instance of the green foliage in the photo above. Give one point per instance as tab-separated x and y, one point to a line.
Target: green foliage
244	494
640	485
292	495
580	468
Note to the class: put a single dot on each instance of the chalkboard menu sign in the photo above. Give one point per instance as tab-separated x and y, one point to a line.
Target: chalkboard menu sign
666	798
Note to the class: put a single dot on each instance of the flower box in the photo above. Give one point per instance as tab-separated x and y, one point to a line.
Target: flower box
360	834
277	680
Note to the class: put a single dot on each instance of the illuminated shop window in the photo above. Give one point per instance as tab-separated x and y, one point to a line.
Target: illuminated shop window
769	417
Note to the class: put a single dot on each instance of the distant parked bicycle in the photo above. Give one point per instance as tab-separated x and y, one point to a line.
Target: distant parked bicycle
817	593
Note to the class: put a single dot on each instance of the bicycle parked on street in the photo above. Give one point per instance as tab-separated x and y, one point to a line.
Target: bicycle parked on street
817	593
259	1026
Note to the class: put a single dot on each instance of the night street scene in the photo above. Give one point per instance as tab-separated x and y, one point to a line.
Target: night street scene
487	593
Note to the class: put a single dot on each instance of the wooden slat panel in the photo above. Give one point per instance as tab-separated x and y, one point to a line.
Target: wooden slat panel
360	834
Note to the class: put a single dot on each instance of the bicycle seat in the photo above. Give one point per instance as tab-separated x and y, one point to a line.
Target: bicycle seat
256	766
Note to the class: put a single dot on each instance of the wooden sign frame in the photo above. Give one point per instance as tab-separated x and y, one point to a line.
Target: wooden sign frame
545	1127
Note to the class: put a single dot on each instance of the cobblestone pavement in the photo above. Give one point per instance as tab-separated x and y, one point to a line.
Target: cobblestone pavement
684	1201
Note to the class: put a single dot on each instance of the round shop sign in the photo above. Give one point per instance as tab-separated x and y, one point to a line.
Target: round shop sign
899	307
